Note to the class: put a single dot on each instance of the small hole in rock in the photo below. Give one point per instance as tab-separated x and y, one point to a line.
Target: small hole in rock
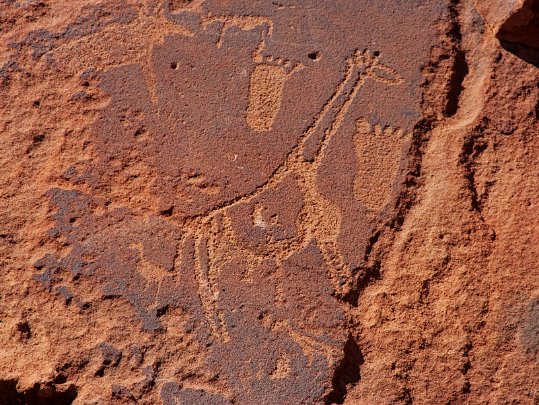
60	379
24	330
38	138
162	311
314	55
376	53
37	103
174	65
140	131
167	212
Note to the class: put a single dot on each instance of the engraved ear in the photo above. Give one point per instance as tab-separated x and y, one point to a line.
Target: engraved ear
385	74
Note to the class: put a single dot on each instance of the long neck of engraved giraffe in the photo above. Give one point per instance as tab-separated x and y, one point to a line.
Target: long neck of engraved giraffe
340	116
317	134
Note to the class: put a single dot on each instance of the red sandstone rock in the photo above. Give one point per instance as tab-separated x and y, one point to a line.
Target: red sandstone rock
515	21
322	202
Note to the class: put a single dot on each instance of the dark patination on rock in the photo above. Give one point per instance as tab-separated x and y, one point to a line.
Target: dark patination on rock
273	140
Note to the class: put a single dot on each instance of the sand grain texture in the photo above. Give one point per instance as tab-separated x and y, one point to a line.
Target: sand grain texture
323	202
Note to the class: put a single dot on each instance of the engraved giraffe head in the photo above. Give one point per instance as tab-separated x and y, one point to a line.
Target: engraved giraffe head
375	70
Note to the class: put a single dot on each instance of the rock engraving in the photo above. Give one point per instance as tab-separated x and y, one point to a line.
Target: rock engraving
239	235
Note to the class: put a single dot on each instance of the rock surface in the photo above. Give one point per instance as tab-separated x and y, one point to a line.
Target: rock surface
515	21
323	202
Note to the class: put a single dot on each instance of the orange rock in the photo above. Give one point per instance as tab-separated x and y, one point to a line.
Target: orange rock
514	21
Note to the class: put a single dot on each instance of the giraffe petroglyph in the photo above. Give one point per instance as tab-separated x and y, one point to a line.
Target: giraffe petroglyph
320	219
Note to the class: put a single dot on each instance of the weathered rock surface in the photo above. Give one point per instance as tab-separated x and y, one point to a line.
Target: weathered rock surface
208	202
514	21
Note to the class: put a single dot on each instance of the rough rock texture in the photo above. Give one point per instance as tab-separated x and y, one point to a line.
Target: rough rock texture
515	21
289	202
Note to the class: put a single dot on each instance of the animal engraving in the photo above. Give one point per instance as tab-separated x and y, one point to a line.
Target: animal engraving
320	220
245	244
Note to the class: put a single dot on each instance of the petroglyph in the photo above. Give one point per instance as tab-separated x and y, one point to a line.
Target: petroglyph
150	271
282	368
265	94
233	152
150	27
319	220
134	44
245	23
270	74
214	238
379	152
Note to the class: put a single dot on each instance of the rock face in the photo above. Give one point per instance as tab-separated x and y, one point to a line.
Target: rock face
323	202
515	21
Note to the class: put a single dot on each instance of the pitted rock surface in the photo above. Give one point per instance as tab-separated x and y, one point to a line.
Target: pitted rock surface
250	238
267	202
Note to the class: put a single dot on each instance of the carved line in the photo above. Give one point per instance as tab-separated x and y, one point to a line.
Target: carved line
204	287
279	298
363	64
309	345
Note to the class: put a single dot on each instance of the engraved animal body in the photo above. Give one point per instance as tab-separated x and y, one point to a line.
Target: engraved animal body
319	218
201	244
